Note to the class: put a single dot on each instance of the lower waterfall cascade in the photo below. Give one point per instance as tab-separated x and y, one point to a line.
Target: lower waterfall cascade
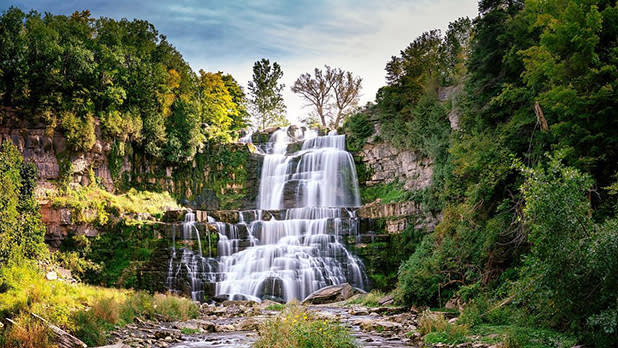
292	244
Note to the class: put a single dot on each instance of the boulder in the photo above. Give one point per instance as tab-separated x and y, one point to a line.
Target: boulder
330	294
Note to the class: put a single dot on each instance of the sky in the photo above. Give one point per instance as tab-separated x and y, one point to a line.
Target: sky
230	35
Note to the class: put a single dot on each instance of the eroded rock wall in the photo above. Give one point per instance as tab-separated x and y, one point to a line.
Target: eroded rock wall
387	164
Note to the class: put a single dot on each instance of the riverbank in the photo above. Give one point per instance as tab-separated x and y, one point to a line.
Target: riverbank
239	323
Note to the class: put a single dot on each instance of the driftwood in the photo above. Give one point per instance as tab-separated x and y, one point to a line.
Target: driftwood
62	338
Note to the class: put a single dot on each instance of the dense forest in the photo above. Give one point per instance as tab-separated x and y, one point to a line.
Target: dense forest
526	182
524	149
68	71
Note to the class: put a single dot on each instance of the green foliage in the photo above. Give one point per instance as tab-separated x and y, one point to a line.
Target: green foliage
296	328
75	73
387	193
557	211
21	230
92	204
358	128
189	331
128	221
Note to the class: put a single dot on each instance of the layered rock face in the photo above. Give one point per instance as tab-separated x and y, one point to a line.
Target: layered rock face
49	153
386	164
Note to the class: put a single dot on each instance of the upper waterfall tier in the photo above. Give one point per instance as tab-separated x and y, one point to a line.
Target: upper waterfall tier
321	174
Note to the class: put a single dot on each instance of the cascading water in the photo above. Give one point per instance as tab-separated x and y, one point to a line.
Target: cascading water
191	265
292	244
289	258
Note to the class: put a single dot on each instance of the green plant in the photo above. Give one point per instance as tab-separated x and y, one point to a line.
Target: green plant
436	329
189	331
295	328
369	299
275	307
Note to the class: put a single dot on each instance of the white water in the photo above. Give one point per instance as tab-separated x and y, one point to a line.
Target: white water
291	245
197	268
291	257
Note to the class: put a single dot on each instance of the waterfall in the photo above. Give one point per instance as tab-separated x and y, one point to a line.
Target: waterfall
301	250
199	270
293	243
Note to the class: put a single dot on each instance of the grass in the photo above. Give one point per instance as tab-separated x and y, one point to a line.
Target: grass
189	331
436	329
92	204
295	328
26	333
369	299
275	307
89	312
514	336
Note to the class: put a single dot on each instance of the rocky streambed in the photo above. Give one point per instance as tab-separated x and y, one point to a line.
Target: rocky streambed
235	324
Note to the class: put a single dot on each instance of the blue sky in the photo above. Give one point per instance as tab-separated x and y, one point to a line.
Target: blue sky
228	35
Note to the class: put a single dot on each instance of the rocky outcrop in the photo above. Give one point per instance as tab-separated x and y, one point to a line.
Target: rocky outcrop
330	294
398	216
49	153
386	163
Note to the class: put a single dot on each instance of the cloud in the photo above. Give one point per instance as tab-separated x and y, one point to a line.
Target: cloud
359	36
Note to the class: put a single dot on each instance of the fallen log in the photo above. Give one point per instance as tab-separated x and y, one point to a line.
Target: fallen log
62	338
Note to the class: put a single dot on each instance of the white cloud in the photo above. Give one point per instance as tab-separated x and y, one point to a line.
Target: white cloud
356	38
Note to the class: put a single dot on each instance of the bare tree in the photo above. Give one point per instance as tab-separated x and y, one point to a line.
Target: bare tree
331	93
347	91
316	90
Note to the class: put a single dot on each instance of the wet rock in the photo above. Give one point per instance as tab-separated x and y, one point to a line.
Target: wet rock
272	289
330	294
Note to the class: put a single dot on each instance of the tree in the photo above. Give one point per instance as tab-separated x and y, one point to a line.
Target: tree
241	120
347	91
266	100
331	92
316	90
216	104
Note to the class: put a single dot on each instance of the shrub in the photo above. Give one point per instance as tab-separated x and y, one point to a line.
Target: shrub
295	328
78	131
90	329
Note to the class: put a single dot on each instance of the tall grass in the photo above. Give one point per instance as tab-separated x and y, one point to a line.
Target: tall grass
295	328
87	311
26	332
436	329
